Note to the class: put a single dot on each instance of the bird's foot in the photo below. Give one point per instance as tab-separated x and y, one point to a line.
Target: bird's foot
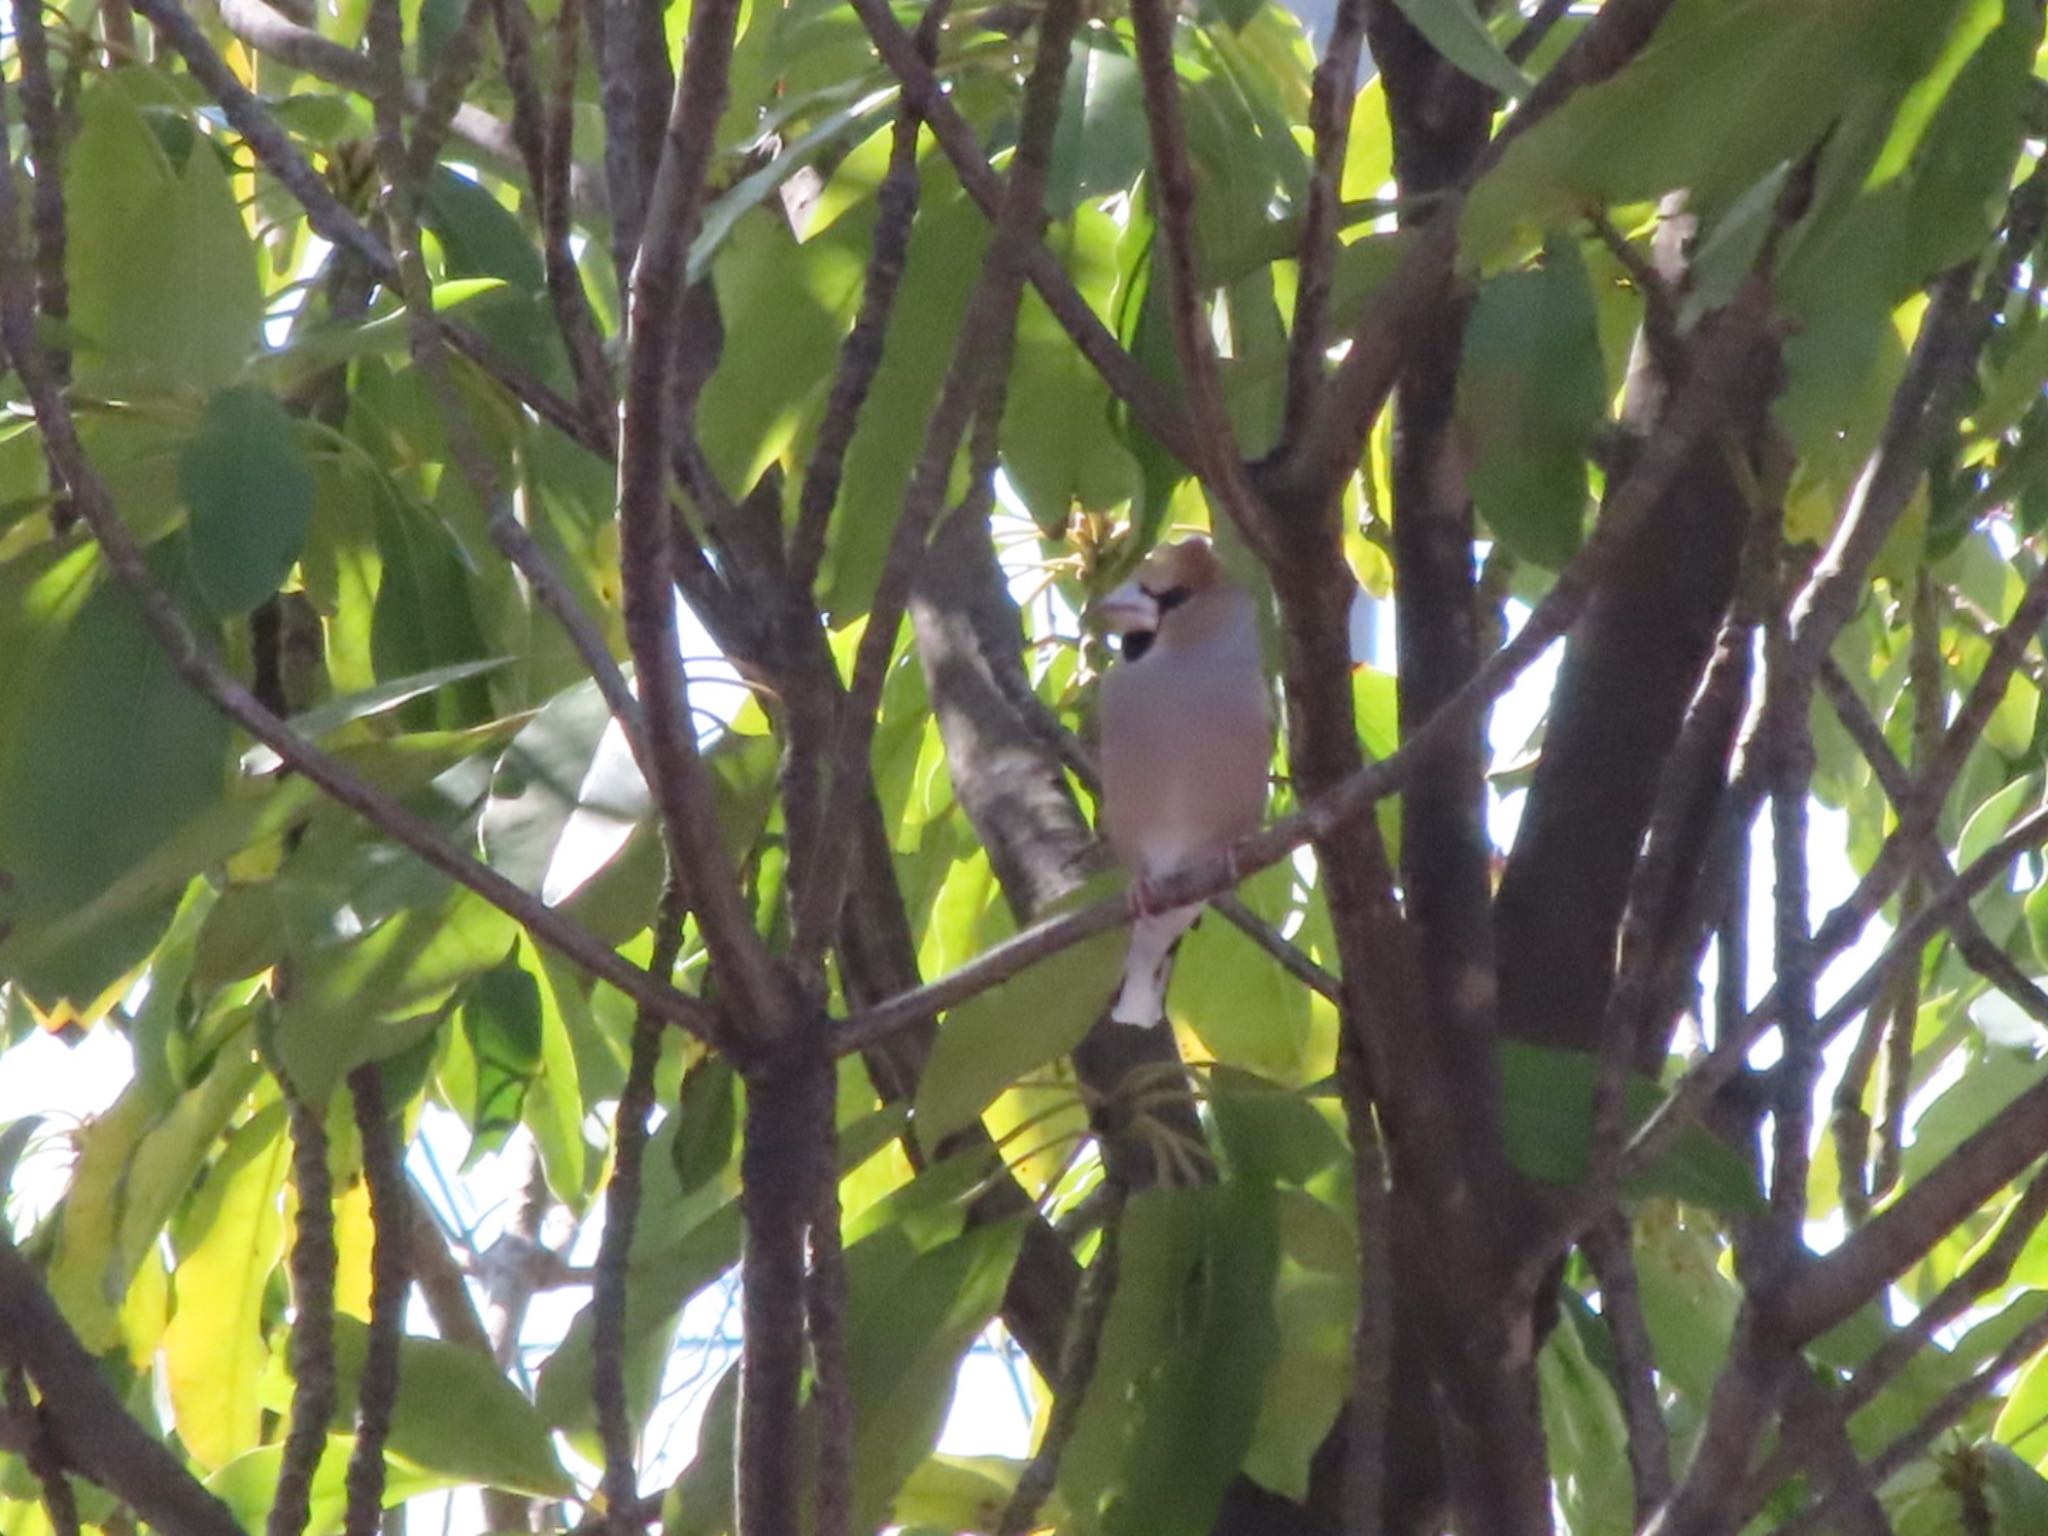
1141	898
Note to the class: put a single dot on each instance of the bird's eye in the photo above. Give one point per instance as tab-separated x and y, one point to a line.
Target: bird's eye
1171	598
1134	643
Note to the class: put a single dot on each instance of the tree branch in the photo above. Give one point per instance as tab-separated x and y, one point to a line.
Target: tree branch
1947	1411
979	364
91	1427
1988	1271
266	31
312	1265
860	355
544	136
1119	370
1831	1288
679	783
390	1206
1218	461
1331	93
1621	1307
615	1247
1077	1370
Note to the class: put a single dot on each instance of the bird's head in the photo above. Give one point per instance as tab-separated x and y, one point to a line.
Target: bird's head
1169	577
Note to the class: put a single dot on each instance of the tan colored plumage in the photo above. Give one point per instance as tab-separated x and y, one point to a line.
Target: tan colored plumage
1187	737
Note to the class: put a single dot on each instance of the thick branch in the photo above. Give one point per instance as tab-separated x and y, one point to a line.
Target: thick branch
680	783
92	1428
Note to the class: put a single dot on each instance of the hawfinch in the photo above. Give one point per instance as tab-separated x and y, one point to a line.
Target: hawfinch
1187	737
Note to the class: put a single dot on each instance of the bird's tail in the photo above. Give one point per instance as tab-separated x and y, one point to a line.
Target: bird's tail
1149	963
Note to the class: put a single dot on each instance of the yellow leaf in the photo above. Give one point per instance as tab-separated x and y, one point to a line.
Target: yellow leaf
214	1349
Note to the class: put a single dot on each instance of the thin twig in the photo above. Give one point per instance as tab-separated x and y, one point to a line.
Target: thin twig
390	1210
1978	949
1372	1331
1791	755
92	1428
1326	449
1689	1097
860	355
1926	406
978	364
1947	1411
1988	1271
1606	1246
46	149
404	171
1331	93
1126	379
636	87
1083	1348
333	222
1218	461
264	30
1525	42
544	139
621	1216
312	1265
455	65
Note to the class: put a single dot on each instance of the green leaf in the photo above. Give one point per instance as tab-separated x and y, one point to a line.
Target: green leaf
73	821
2018	1493
1309	1381
963	1493
1059	444
906	1330
1454	30
245	479
1547	1120
1160	1243
248	1485
501	1020
992	1040
1963	165
190	316
372	997
1583	1428
707	1117
1771	77
565	797
457	1415
1197	1415
1246	1009
1100	144
2022	1421
423	617
1531	390
371	702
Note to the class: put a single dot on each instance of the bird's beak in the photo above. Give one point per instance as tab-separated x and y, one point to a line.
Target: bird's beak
1130	607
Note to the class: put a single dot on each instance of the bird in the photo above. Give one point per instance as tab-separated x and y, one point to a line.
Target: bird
1186	739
